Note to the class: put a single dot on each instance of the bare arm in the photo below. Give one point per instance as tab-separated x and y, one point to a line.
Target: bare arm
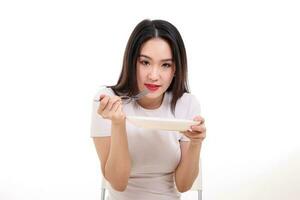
118	164
113	151
188	168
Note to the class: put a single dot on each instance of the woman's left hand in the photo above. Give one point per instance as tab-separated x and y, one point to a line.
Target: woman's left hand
197	133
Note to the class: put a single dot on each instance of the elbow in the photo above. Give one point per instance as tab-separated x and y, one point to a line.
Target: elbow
119	187
183	189
118	178
183	186
118	183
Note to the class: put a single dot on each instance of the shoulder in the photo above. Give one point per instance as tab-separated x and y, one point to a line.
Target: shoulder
187	106
187	99
103	90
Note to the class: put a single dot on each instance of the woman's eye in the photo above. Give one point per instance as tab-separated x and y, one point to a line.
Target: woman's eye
166	65
144	62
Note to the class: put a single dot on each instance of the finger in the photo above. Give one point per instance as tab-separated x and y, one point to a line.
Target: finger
99	98
116	106
102	96
189	134
103	102
199	119
195	135
182	132
200	136
200	128
110	108
112	102
120	108
119	112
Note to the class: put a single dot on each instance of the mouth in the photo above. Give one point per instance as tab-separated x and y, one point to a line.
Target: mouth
152	87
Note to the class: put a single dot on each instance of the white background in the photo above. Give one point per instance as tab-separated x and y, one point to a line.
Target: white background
244	59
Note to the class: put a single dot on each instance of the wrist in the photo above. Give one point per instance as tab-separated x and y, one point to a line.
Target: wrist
118	122
195	143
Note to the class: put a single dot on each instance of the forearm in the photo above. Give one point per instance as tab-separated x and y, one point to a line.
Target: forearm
188	168
118	165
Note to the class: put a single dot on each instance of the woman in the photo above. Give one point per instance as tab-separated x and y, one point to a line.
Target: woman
141	163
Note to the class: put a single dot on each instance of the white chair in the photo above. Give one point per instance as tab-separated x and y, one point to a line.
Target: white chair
197	186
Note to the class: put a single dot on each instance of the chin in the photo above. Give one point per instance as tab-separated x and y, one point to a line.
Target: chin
155	94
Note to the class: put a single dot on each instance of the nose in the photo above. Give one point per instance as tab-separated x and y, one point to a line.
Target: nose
154	73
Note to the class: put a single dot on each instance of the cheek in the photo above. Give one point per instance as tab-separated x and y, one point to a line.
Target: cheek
140	75
169	74
168	77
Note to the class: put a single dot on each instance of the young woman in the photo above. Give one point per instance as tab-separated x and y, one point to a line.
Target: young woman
142	163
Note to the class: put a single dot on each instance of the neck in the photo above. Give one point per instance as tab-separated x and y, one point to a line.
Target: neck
151	103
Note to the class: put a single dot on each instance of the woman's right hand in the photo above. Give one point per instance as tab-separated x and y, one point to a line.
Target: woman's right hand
111	108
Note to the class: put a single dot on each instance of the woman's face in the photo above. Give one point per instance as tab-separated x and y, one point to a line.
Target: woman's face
155	68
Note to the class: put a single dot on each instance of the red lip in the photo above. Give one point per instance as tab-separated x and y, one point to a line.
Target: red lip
152	87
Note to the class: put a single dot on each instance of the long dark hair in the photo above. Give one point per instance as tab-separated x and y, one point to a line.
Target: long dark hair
145	30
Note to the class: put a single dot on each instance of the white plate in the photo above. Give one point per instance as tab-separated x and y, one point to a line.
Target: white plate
161	123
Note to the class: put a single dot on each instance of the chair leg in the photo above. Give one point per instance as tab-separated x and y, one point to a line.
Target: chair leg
199	194
103	194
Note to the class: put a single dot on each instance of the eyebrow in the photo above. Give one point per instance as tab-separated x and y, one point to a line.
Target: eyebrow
164	60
